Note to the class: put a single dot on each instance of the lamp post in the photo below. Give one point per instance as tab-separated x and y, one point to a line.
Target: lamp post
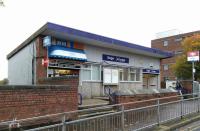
193	71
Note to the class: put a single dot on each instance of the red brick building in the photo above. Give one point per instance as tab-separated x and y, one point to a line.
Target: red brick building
171	44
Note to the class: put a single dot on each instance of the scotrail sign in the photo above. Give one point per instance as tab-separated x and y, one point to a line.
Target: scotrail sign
193	56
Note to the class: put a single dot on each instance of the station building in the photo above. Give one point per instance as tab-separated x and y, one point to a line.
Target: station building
60	55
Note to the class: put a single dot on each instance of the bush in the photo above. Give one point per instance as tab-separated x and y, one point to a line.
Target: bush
4	81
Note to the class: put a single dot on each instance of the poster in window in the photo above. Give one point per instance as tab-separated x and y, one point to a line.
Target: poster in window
111	76
107	75
115	77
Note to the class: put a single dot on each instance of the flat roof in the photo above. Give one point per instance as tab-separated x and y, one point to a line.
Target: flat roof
64	32
178	35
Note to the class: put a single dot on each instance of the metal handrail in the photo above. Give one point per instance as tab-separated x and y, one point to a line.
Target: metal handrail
102	107
80	99
122	112
109	94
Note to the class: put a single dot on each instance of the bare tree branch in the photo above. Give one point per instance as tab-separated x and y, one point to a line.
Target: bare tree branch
2	3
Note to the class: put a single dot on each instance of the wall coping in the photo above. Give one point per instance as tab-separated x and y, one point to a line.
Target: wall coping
34	87
60	78
132	92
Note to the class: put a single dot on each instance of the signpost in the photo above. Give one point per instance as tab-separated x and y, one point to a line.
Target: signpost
193	56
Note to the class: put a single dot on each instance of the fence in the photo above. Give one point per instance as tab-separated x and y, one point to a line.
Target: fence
125	116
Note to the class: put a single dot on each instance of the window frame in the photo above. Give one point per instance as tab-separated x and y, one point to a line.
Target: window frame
129	74
178	39
165	43
165	78
91	72
165	67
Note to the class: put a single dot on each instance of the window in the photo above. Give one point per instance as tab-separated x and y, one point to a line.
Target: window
96	72
129	74
137	74
178	52
178	39
125	74
86	72
91	72
165	67
165	78
132	74
121	74
52	72
165	43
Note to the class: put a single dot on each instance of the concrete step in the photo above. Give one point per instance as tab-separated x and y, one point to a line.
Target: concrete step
102	98
92	104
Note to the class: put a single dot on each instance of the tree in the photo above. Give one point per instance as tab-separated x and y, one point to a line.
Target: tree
1	3
183	68
4	81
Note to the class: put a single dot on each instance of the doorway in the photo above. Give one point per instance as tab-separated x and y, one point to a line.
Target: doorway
150	81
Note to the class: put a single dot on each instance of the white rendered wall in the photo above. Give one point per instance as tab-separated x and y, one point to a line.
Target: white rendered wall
95	54
20	66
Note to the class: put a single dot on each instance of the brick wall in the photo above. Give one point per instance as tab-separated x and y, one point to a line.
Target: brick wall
72	81
173	46
28	101
136	100
41	53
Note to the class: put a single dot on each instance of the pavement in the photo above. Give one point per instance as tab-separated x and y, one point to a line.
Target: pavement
189	123
194	126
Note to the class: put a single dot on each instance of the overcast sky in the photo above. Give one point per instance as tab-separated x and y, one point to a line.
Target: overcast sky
135	21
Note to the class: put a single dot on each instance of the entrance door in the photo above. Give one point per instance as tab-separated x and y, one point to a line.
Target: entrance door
150	81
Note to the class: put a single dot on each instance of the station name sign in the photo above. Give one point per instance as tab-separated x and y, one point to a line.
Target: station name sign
150	71
193	56
115	58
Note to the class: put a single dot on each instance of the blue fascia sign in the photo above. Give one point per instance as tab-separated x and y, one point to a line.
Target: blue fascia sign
150	71
115	58
47	41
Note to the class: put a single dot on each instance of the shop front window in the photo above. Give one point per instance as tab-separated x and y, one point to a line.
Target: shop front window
61	72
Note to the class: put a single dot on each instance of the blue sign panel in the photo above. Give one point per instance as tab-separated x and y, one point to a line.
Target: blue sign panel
47	41
115	58
150	71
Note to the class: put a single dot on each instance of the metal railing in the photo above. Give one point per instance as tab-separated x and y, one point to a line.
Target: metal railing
127	116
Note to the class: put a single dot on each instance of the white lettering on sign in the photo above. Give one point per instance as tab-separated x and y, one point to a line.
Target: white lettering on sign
110	58
120	59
